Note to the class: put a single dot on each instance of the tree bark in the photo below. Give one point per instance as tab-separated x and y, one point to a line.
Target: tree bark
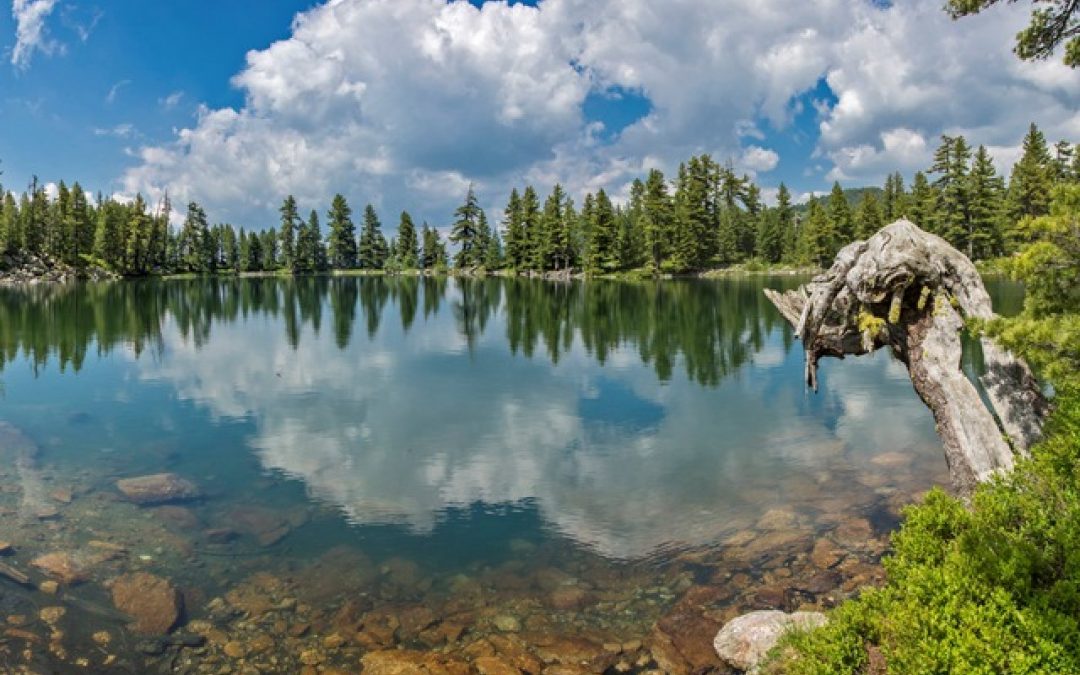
911	291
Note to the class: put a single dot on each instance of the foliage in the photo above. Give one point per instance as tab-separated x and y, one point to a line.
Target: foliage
1053	23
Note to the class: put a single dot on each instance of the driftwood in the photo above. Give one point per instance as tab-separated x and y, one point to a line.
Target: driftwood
911	291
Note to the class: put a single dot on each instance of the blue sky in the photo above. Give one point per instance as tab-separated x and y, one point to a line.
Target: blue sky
403	103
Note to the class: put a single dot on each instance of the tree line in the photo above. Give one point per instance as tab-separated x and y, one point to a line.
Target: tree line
707	216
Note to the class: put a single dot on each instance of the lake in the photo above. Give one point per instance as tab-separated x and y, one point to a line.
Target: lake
447	473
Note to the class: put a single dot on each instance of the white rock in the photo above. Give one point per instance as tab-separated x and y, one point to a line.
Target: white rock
744	641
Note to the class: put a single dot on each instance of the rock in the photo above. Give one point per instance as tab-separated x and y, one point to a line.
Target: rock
743	642
49	587
825	554
62	495
266	525
51	615
6	548
153	602
493	665
158	488
62	566
177	516
507	623
569	598
777	519
234	650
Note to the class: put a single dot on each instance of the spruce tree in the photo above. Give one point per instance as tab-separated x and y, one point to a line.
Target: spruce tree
341	248
868	217
602	258
1032	177
515	232
986	191
785	219
842	224
656	220
194	250
530	227
465	230
922	208
407	251
290	218
372	250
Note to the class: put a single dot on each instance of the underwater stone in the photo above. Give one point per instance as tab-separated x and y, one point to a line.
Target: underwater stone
157	488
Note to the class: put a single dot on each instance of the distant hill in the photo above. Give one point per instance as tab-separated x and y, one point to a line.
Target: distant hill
854	196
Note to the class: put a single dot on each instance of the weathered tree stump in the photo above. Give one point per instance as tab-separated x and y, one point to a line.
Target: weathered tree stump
911	291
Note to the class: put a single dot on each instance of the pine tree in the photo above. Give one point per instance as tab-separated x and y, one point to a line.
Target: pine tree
271	259
986	191
816	239
530	227
922	207
951	163
554	252
194	243
656	220
602	258
372	250
342	238
407	250
1032	178
290	218
308	245
108	244
842	224
868	217
464	232
515	232
785	220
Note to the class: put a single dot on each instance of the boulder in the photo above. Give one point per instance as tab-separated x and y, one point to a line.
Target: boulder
158	488
744	641
153	602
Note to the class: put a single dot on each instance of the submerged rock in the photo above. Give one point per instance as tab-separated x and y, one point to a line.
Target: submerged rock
743	642
62	566
153	602
158	488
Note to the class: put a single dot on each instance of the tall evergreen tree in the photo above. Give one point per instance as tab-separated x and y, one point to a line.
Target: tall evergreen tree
514	228
194	243
372	250
602	258
868	217
842	224
407	250
290	219
1032	177
986	191
341	247
656	221
465	230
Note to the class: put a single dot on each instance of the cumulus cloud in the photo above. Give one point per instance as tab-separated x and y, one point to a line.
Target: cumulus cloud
758	159
30	31
405	102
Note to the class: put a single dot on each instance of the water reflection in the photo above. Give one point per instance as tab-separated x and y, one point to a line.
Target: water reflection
632	417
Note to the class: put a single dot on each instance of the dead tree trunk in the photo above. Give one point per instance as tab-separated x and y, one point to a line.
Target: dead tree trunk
911	291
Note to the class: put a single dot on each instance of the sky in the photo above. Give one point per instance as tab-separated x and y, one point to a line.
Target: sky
405	103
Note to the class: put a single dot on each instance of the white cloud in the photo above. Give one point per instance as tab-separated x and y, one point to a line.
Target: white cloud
172	100
404	102
114	90
123	130
758	159
30	30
